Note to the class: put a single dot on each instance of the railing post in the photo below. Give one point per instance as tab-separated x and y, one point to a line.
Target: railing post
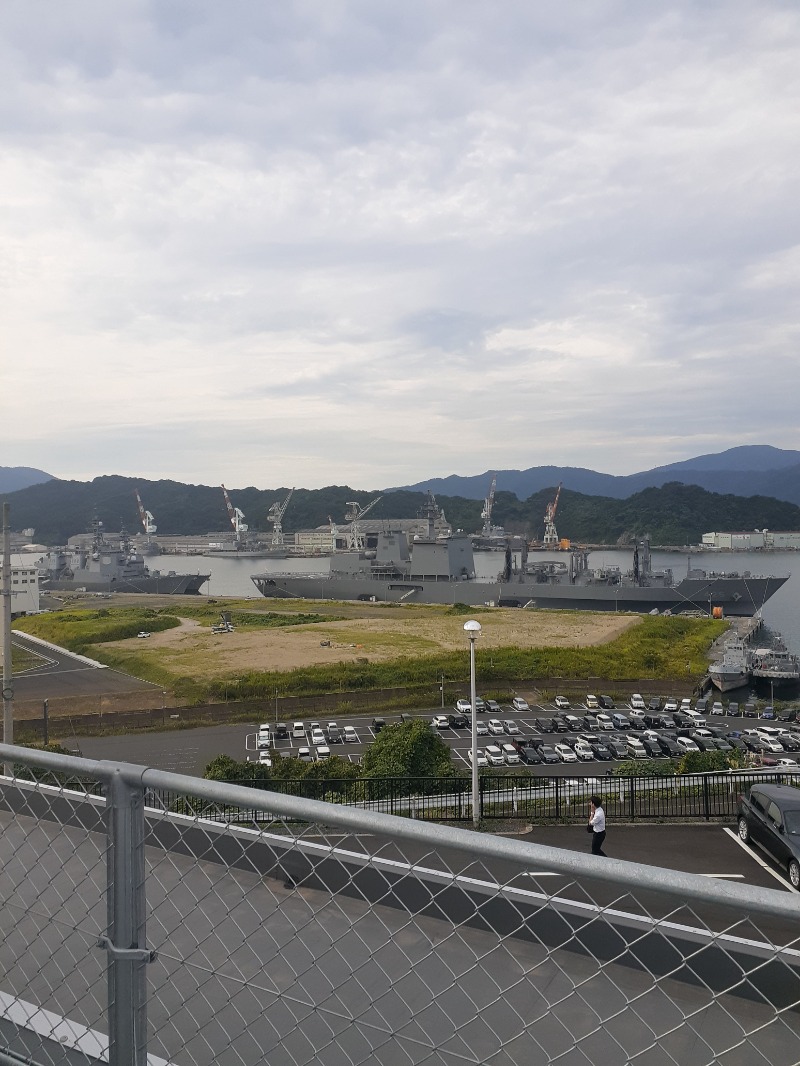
125	940
706	803
632	798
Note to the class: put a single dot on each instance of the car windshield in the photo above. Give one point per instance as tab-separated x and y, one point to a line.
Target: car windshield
791	820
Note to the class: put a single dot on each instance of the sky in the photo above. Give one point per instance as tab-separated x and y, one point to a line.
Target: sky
370	243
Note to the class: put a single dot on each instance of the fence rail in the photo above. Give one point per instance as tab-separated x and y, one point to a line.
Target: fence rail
135	933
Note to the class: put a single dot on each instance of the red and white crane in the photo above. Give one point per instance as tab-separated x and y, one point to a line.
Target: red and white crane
147	520
550	539
236	517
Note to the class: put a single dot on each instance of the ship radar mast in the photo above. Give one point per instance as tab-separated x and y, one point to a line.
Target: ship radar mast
236	518
275	516
430	511
355	535
486	513
550	535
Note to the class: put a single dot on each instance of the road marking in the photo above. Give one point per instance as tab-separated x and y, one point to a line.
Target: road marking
765	866
728	876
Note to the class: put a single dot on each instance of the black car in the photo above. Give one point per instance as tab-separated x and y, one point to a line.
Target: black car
378	724
653	748
618	748
704	743
547	753
733	709
789	743
560	726
737	743
788	714
654	703
769	815
281	731
544	725
601	750
669	747
606	703
528	754
702	705
721	744
458	721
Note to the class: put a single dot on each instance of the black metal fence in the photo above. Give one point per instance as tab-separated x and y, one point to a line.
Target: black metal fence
691	797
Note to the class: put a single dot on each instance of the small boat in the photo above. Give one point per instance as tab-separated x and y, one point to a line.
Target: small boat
731	671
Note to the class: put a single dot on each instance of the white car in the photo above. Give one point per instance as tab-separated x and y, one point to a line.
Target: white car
670	705
263	739
510	754
519	704
565	753
591	702
480	757
651	734
304	754
637	702
299	731
637	715
494	755
603	721
440	721
481	729
562	703
636	749
686	744
495	727
695	716
463	707
317	737
143	633
350	735
584	752
717	708
264	758
323	752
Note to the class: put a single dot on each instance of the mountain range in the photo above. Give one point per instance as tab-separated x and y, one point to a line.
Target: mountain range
748	470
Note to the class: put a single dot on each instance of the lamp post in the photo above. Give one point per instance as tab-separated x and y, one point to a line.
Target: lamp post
472	629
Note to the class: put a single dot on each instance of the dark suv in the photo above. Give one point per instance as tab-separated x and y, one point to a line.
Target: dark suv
769	815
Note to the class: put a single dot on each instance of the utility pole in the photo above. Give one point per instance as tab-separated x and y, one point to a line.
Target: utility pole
8	675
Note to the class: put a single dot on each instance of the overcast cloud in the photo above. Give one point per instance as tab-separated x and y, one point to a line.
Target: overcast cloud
370	243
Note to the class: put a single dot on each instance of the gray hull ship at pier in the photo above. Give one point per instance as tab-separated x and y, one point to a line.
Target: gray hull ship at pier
102	567
443	571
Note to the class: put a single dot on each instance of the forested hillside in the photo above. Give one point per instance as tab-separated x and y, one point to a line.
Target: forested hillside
672	514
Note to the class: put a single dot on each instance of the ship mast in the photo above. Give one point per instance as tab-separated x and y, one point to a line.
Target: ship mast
486	513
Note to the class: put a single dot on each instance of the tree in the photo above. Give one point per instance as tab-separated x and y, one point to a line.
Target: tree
703	762
407	749
645	768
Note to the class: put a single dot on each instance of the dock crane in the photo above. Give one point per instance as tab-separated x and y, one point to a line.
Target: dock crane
486	513
275	516
147	520
237	518
355	536
550	539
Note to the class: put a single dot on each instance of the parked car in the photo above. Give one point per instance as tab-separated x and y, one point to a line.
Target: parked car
601	750
480	706
264	758
606	703
591	702
584	751
378	724
463	707
670	705
603	721
621	721
669	747
480	757
495	727
530	755
768	712
717	708
548	753
350	735
481	729
686	744
573	722
510	754
263	737
702	705
544	725
458	721
511	728
494	755
733	709
519	704
653	748
317	737
770	816
637	702
493	707
281	731
333	733
299	731
323	752
565	753
440	721
636	750
304	754
562	703
617	747
654	703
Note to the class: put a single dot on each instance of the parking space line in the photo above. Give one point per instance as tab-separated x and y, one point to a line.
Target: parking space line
764	865
729	877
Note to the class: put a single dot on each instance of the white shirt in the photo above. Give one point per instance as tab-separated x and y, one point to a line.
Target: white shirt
598	820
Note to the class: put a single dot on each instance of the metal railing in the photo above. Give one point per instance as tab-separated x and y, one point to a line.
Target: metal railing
341	936
536	798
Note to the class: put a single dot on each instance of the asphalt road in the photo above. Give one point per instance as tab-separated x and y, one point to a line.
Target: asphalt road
59	672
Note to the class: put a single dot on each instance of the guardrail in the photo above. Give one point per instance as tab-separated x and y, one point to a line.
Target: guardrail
137	935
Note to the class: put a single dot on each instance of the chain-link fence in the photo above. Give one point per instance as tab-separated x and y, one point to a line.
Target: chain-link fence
339	936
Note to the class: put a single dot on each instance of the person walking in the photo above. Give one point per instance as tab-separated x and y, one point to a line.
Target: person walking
597	825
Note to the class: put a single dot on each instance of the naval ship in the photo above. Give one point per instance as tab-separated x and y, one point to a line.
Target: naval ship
102	566
442	570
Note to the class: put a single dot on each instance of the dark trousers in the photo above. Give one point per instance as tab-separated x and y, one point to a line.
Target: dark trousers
597	842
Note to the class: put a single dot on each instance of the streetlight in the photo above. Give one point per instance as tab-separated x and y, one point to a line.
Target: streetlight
472	629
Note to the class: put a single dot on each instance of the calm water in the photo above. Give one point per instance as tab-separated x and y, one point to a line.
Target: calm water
231	577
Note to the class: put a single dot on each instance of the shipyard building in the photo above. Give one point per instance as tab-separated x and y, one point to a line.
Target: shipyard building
753	540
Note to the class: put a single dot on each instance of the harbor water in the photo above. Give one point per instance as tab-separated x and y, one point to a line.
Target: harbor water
232	577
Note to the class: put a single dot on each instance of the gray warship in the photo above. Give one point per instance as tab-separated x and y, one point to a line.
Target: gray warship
442	570
101	566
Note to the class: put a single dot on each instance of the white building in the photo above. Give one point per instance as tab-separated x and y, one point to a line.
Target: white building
753	540
24	587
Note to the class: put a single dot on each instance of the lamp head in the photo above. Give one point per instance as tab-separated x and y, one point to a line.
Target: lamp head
472	629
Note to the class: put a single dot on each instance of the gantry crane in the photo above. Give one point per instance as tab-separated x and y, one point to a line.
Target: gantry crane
355	537
275	515
486	513
550	539
237	518
147	520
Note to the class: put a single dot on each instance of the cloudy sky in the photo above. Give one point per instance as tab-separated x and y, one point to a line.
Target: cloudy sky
368	242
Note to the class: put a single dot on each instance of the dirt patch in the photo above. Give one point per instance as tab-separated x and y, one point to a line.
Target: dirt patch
372	639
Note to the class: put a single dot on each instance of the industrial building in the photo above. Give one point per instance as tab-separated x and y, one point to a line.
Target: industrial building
753	540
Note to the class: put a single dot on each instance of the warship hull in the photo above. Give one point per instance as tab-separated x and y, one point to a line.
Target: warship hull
735	596
162	584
